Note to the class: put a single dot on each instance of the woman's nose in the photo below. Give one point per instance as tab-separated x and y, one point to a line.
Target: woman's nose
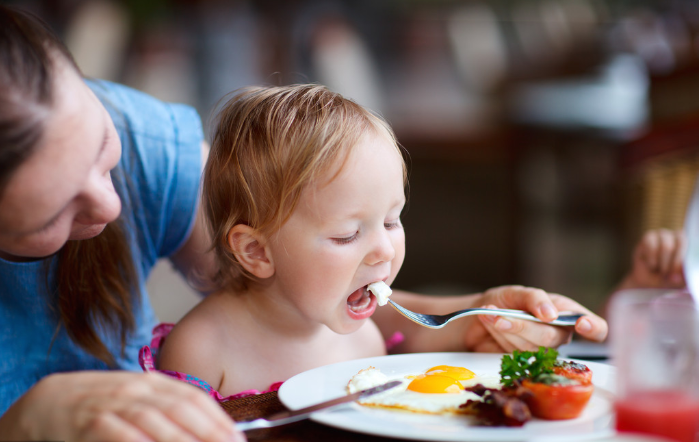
382	250
100	202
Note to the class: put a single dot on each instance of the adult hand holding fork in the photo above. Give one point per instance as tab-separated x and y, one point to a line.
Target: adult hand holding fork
489	333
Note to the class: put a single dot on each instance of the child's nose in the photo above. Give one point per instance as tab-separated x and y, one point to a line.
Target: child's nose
383	250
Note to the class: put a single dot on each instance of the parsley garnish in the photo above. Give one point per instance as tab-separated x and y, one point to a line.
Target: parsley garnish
526	364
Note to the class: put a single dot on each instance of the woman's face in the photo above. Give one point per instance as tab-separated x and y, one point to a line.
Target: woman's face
64	190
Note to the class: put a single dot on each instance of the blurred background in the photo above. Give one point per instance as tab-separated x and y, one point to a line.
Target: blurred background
544	136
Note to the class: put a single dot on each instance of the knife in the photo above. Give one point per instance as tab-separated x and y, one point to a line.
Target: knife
287	417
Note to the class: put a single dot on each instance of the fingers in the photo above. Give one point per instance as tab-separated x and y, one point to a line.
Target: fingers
154	423
524	335
108	427
666	245
676	269
106	406
532	300
179	411
512	334
190	399
646	251
661	251
593	328
590	326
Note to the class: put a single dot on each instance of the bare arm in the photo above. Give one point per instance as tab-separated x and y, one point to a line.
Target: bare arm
194	346
194	260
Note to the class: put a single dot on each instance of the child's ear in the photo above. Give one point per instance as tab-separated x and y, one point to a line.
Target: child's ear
250	248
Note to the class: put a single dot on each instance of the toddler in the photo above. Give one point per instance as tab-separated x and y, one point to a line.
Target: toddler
303	192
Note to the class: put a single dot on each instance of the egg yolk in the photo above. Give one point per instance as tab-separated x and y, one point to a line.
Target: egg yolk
457	373
435	383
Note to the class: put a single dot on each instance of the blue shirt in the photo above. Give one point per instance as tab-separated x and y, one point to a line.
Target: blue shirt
160	169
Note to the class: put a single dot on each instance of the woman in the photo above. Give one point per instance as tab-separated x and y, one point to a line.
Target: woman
58	199
97	182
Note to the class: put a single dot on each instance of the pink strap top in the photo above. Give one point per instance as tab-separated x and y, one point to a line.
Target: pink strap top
146	358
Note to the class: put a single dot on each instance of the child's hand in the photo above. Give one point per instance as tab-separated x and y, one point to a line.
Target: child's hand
498	334
657	261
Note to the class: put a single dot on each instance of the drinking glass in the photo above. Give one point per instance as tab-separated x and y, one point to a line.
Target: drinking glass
655	347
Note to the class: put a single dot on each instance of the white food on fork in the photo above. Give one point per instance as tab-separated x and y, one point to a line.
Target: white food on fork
381	290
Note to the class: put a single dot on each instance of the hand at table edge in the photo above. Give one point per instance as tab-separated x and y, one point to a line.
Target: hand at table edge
116	406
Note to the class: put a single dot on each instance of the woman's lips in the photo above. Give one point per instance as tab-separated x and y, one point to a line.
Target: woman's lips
361	304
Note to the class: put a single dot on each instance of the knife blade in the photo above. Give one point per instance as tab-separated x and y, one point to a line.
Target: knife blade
287	417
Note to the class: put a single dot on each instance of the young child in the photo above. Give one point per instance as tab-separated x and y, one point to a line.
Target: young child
303	191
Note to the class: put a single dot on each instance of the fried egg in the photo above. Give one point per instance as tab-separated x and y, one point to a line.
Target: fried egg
381	290
438	390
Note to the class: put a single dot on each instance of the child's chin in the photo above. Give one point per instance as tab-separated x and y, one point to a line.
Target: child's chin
347	328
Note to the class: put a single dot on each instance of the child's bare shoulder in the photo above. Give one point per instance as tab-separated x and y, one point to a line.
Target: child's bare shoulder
194	344
208	319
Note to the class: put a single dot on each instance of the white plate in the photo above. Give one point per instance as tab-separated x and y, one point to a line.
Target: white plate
328	382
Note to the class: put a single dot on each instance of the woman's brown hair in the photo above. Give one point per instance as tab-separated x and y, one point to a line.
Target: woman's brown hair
269	144
95	277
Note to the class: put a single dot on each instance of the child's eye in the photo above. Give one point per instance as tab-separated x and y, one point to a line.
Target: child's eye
346	240
392	225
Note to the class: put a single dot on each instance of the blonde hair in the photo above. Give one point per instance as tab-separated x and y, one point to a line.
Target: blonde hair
269	144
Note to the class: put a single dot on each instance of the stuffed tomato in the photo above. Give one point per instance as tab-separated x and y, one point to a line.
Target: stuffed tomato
557	397
573	370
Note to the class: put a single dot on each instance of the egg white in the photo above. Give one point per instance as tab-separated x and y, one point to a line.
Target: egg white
403	399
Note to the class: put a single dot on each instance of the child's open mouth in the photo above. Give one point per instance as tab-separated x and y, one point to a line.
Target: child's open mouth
361	303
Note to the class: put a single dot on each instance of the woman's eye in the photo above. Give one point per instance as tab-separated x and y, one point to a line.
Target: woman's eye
48	225
346	239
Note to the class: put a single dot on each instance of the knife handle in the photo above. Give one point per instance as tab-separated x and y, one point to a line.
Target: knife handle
288	417
253	424
264	423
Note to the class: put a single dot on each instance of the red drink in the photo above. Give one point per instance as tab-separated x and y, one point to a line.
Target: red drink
672	414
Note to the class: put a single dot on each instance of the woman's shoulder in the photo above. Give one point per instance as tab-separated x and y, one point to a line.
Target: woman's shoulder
160	167
145	115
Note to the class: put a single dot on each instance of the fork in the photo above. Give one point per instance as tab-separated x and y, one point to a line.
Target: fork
439	321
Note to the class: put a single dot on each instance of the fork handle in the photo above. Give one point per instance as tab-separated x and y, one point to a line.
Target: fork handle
564	318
